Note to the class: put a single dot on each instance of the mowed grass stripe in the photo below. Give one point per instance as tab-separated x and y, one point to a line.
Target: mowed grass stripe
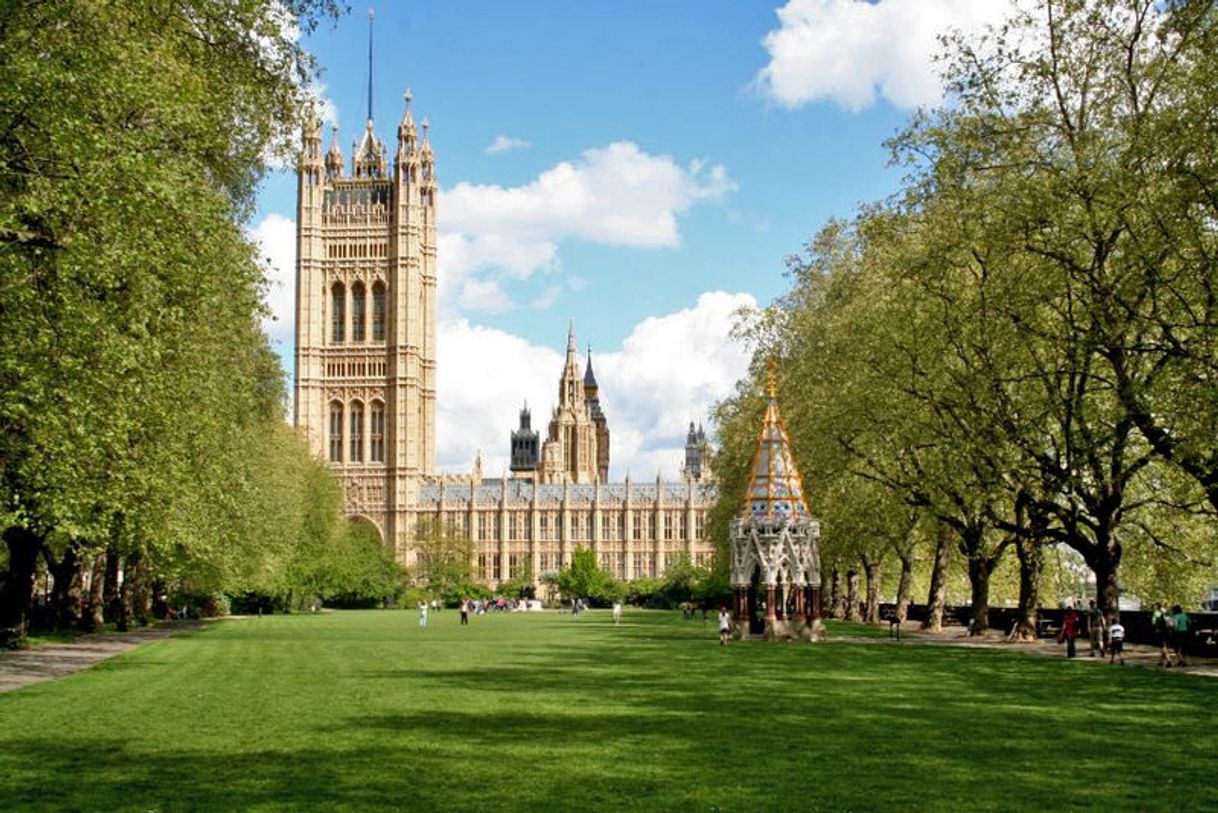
365	710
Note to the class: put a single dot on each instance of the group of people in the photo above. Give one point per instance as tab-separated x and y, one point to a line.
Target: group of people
1172	633
1107	634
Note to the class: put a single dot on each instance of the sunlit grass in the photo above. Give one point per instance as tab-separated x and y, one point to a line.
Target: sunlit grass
365	711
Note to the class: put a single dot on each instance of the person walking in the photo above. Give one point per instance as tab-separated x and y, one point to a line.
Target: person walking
1162	625
617	613
423	614
1095	629
464	613
1069	630
1180	634
1116	641
725	626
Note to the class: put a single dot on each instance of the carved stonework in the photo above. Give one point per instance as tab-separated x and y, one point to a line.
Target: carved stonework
775	555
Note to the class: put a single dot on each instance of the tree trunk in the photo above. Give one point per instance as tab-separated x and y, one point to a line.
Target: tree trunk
118	592
871	571
1105	563
139	595
852	595
905	585
95	616
114	604
979	570
66	597
936	599
17	584
1031	563
837	601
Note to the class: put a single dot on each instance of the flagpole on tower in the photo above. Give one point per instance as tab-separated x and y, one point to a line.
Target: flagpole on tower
371	16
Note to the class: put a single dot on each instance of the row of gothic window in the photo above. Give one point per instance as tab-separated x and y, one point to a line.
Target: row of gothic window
489	564
359	312
672	525
352	419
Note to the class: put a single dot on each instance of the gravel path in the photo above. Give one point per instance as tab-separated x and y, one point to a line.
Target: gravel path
50	661
1135	654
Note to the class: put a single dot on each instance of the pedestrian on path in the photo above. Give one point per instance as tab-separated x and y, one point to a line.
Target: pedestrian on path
1180	634
1162	625
1095	629
1069	630
725	626
1116	641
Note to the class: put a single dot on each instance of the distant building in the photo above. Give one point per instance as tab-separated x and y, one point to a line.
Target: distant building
365	389
532	521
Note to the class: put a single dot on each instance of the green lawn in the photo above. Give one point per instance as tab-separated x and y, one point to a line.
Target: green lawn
365	711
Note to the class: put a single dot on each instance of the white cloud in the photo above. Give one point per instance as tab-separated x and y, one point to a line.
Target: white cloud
504	143
484	295
484	375
669	370
327	111
275	236
847	51
616	195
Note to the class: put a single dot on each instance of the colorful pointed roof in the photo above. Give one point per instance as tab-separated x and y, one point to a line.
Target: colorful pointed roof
775	492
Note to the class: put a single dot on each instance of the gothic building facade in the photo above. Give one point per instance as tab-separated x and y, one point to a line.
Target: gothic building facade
365	388
365	391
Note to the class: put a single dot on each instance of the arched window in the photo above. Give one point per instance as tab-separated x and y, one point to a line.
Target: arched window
378	311
358	298
338	313
376	433
336	432
355	453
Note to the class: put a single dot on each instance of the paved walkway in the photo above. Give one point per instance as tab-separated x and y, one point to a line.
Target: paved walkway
50	661
1135	654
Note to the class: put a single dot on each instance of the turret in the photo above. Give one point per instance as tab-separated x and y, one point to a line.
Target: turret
696	449
525	445
368	159
408	134
310	153
592	397
334	156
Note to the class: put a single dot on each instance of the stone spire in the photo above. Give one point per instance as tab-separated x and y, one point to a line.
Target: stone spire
570	388
590	386
408	134
775	494
334	156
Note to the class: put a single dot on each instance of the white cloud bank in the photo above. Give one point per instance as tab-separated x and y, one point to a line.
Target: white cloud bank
275	236
616	195
850	51
668	371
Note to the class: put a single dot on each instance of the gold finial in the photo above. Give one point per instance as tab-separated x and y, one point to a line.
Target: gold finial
771	378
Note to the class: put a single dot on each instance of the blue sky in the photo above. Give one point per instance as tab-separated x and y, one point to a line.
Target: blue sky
658	162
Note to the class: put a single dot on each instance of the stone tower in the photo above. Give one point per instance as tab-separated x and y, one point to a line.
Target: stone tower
365	390
697	450
526	445
569	453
